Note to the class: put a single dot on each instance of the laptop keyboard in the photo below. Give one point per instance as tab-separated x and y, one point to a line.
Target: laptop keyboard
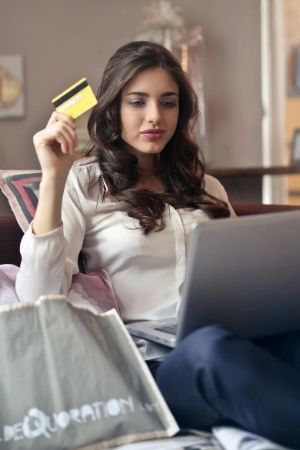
171	329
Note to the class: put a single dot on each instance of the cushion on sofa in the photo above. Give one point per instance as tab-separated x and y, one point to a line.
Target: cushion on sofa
21	189
10	238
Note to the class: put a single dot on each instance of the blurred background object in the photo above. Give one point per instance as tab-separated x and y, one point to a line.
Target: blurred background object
11	86
163	23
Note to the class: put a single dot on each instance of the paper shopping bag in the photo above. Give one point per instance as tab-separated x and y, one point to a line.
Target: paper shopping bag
70	379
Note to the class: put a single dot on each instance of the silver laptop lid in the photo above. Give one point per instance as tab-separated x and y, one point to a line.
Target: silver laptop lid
244	273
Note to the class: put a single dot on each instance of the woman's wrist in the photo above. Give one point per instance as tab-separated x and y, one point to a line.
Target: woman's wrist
48	213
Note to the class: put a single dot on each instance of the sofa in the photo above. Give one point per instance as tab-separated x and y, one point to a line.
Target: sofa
10	237
11	234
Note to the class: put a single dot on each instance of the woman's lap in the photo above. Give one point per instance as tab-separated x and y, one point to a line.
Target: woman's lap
215	376
284	346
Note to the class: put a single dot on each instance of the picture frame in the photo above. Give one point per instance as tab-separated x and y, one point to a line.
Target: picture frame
12	86
295	147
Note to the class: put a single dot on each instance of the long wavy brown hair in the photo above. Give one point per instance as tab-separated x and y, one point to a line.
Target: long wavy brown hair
181	165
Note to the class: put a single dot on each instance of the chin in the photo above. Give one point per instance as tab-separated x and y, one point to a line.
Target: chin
146	151
152	149
152	152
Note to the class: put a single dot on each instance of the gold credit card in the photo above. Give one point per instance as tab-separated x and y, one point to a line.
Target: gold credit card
75	100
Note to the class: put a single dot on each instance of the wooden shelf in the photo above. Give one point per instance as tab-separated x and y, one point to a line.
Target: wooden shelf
244	184
254	171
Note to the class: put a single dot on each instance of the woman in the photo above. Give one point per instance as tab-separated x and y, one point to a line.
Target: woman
131	212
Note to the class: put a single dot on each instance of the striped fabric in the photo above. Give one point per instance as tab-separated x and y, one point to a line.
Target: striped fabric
21	189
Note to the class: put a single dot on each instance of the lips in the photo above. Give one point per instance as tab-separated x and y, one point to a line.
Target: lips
153	134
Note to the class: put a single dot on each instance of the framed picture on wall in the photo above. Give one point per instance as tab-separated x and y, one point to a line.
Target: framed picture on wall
11	86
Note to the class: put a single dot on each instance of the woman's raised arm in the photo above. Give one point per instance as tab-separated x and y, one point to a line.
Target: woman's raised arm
55	148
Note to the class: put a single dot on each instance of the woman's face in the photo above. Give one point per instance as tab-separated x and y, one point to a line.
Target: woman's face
149	111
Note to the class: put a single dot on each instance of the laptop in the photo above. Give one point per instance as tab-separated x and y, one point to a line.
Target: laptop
242	273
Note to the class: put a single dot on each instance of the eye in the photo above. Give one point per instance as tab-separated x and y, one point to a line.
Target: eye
169	103
136	103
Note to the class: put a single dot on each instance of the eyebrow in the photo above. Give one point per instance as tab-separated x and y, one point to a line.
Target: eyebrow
144	94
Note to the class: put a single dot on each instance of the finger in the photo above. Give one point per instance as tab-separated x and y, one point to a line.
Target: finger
60	133
66	140
64	146
64	129
60	117
68	131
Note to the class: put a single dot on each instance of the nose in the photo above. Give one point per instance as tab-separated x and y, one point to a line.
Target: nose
153	113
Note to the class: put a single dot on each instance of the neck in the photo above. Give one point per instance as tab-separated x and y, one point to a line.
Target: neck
150	171
148	165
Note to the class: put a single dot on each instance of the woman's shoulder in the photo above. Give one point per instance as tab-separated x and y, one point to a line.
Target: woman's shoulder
84	177
85	171
86	166
213	187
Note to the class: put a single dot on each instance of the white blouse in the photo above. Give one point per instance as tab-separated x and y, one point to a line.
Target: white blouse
147	272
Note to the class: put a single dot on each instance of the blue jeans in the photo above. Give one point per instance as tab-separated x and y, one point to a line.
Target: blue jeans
214	377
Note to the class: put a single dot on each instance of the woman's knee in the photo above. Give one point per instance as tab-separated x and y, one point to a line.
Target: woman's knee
186	377
207	345
201	354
